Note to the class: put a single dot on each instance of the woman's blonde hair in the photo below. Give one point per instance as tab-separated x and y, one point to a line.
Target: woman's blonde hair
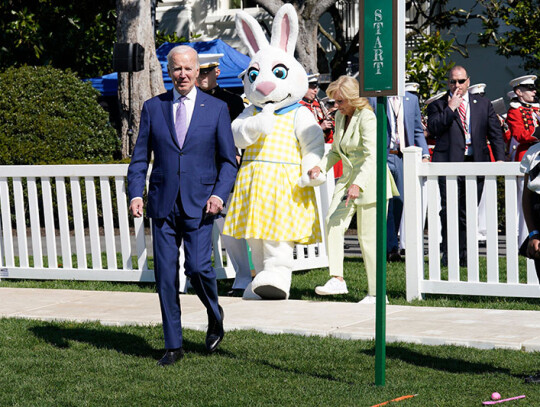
349	88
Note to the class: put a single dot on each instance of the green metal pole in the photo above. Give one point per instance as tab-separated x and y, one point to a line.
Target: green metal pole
380	305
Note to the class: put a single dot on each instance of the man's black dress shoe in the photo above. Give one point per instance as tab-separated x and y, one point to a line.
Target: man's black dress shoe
444	260
533	379
235	292
215	332
170	357
462	261
394	256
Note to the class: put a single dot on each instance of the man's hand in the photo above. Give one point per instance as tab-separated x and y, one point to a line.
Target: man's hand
213	206
352	193
533	249
327	124
136	207
455	100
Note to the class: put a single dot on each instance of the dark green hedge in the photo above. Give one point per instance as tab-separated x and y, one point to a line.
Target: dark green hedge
48	116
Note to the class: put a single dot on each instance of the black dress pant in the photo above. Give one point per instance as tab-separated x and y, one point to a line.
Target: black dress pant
462	214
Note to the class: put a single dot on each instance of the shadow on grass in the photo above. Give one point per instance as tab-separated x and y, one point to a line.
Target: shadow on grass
124	343
121	342
446	364
301	373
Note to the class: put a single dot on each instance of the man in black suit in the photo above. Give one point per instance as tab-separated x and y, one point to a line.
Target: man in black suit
462	124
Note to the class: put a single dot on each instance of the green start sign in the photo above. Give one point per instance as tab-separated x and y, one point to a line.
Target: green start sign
382	47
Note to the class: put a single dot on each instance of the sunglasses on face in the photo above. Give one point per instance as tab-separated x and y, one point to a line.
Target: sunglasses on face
528	87
460	81
205	71
313	86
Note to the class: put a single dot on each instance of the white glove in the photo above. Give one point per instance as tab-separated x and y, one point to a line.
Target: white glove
305	181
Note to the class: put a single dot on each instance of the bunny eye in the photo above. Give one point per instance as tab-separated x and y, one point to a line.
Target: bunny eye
252	74
280	71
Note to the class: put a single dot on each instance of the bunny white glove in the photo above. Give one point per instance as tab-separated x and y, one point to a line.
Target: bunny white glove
248	127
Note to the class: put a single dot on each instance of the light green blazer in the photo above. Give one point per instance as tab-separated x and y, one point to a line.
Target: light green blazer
357	148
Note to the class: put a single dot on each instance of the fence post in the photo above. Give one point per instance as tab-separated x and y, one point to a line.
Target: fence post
412	212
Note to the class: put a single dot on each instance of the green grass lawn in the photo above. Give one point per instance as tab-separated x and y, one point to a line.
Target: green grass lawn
70	364
304	283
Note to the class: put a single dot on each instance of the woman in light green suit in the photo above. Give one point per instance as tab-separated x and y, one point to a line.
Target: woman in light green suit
355	143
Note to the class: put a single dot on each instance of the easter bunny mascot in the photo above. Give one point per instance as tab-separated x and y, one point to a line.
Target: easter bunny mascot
273	204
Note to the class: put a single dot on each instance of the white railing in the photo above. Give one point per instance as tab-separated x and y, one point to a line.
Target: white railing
72	222
497	282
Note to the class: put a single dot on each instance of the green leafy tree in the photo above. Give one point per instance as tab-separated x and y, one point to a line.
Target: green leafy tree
49	116
514	28
427	63
62	33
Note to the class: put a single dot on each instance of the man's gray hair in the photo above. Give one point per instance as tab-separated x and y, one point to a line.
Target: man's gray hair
181	49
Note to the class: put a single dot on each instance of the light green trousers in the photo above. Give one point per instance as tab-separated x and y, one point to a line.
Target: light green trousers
338	222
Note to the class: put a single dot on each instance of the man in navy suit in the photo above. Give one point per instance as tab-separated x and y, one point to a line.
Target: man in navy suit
462	124
404	129
194	167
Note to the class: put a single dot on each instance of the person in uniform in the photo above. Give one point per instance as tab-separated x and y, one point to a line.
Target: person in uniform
523	123
236	248
322	115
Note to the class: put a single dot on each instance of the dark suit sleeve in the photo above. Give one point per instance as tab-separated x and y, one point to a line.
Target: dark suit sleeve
236	107
138	167
440	118
225	156
495	134
419	137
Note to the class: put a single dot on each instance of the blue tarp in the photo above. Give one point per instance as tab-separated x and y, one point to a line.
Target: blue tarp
231	65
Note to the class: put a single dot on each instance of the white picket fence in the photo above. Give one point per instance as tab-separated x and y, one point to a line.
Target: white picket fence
430	280
72	222
92	236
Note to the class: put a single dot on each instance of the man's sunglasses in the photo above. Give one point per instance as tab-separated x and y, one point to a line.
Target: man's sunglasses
205	71
529	86
313	85
460	81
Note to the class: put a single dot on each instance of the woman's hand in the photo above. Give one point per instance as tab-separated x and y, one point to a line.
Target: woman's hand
314	172
352	193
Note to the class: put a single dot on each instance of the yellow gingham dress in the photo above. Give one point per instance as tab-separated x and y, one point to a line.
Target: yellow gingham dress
267	203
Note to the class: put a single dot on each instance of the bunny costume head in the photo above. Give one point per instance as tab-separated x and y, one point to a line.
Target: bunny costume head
273	75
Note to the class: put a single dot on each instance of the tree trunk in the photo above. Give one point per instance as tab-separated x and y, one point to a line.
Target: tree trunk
306	46
135	26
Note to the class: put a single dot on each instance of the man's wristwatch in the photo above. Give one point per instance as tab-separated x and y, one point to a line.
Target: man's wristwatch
534	233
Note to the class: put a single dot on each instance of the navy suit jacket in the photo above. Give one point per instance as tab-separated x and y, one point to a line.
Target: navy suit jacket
412	118
445	126
204	166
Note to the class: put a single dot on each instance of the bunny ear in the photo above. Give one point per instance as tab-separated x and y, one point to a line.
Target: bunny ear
285	29
250	32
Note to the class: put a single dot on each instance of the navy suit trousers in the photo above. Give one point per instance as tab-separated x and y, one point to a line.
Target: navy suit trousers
168	234
395	204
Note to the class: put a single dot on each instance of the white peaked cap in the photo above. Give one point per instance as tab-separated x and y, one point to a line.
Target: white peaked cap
412	87
209	60
523	80
478	88
434	98
313	77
